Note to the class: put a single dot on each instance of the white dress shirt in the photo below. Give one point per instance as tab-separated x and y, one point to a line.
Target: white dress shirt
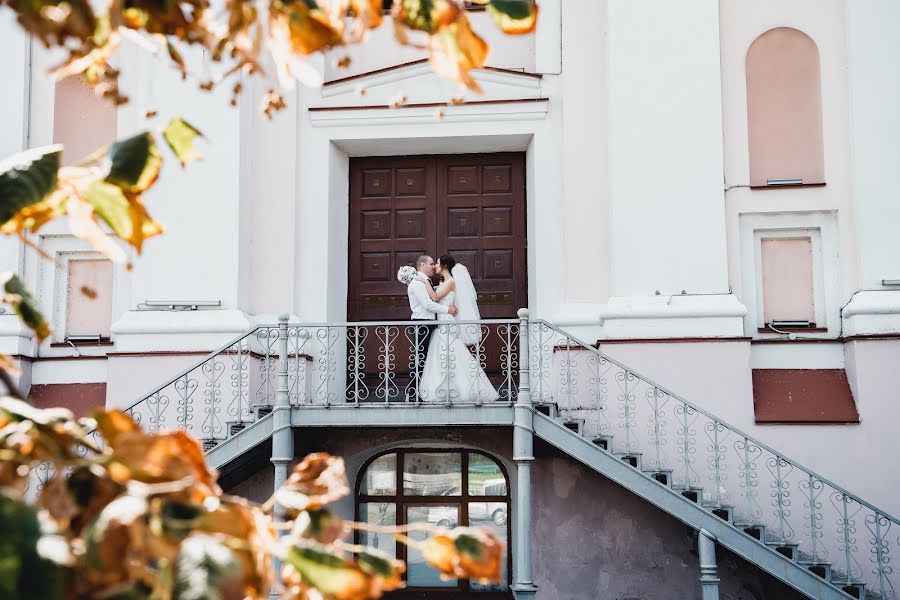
420	302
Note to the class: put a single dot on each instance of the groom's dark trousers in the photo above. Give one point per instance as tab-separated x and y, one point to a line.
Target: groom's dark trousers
420	336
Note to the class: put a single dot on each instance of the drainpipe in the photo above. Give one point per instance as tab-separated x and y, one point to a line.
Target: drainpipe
523	454
709	575
282	435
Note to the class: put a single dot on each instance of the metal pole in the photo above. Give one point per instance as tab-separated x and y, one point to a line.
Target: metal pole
282	435
709	575
523	454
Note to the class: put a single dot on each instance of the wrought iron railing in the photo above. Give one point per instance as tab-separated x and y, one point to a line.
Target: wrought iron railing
772	496
358	362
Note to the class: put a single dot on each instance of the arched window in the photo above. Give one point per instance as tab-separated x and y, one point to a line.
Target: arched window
784	109
443	487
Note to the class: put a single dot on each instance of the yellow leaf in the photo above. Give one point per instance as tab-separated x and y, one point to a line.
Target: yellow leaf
83	225
124	214
368	12
180	136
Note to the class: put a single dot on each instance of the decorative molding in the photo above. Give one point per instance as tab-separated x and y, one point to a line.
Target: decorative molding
518	109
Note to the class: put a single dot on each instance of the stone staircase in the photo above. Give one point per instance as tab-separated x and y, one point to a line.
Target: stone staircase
778	515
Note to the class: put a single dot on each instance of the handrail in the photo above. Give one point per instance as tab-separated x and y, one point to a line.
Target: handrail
193	366
709	415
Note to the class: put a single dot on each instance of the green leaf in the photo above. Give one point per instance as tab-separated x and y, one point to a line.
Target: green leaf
203	568
135	163
514	16
24	304
180	136
23	572
125	216
27	178
179	518
327	571
376	562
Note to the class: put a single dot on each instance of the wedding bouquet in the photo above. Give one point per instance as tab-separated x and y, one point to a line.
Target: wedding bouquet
406	274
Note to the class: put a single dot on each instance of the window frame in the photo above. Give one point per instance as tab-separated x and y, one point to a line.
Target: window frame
403	501
821	228
53	281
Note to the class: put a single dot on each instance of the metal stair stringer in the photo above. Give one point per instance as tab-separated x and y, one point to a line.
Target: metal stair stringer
234	446
684	510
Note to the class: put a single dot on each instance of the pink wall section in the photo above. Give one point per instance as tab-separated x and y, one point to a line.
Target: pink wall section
784	108
82	122
787	279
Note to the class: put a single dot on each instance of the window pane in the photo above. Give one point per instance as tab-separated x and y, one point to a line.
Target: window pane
492	516
787	280
89	297
381	477
485	477
379	513
418	572
432	474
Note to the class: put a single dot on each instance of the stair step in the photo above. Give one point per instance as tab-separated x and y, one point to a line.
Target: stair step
724	512
694	494
549	410
235	428
663	476
856	589
210	444
822	569
788	549
576	425
261	410
632	458
754	530
604	441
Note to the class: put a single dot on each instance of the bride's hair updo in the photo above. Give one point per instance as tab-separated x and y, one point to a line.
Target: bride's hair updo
448	262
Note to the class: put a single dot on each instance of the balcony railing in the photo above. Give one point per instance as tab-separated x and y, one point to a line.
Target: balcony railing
770	496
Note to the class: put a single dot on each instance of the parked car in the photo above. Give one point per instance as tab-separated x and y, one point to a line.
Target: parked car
448	516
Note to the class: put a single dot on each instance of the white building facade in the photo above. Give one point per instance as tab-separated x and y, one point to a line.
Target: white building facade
705	189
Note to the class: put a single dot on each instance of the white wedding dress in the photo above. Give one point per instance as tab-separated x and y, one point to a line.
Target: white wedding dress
452	373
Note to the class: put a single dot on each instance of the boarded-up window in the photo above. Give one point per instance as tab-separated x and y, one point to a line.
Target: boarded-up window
784	108
787	279
82	121
89	297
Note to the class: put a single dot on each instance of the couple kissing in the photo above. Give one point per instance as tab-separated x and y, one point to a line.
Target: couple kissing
443	369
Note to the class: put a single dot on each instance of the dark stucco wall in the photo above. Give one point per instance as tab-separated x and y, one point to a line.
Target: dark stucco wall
591	539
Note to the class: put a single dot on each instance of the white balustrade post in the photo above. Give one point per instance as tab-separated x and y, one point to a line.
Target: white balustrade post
709	574
523	455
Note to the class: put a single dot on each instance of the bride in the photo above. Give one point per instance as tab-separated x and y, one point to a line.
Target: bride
451	372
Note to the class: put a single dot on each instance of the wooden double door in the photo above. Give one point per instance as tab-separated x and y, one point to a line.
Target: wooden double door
471	206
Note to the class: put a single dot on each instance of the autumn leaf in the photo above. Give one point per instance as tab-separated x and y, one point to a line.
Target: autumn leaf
456	50
180	136
330	573
514	16
256	534
205	568
56	20
113	423
24	304
426	15
387	570
465	552
124	214
304	25
368	12
320	525
318	480
134	163
26	181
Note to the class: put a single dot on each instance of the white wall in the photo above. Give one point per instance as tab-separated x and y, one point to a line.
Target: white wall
665	148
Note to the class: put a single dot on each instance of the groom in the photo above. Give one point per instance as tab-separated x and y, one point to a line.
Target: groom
423	308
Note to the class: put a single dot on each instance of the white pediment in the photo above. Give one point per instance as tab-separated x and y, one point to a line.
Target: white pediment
418	84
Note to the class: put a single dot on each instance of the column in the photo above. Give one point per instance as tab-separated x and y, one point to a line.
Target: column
709	574
282	433
523	455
